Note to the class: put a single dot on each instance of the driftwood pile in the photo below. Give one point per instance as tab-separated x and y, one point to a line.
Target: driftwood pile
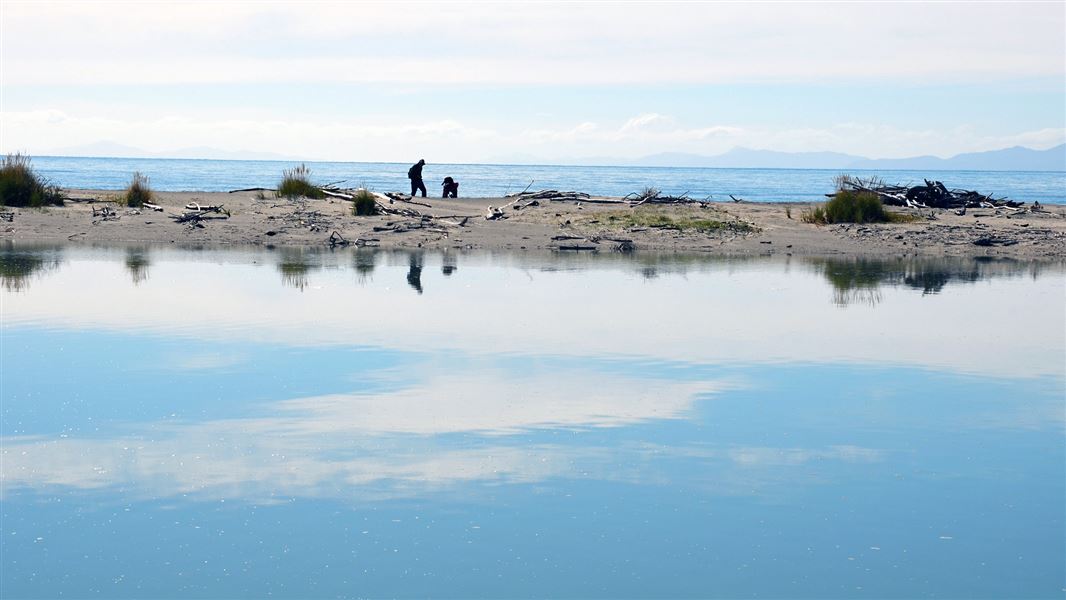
648	196
591	243
654	196
931	195
551	195
195	214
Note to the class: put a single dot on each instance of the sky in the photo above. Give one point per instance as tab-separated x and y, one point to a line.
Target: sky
549	81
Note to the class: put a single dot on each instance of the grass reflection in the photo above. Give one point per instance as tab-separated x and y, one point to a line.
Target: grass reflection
18	267
137	264
859	280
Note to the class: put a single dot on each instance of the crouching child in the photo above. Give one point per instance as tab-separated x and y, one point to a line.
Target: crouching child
451	188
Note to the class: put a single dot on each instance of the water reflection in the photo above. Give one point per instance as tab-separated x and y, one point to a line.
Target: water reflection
414	272
398	439
363	262
449	263
859	280
571	427
18	267
294	265
137	264
696	308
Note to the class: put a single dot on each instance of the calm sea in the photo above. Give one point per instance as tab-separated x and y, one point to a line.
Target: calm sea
761	185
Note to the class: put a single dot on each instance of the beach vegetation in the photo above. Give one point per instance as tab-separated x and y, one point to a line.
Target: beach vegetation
853	206
658	218
364	203
296	183
138	191
20	185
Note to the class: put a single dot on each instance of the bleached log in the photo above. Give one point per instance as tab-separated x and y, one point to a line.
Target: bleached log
333	194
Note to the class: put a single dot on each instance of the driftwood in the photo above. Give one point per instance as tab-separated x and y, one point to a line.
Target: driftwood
526	205
7	216
621	244
460	223
195	218
195	206
933	194
426	224
654	196
256	189
398	197
402	212
551	195
105	213
336	239
154	207
333	194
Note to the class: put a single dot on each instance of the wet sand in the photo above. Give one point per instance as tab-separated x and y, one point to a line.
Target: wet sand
597	225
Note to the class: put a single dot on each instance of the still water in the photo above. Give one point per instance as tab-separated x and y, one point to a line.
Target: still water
304	423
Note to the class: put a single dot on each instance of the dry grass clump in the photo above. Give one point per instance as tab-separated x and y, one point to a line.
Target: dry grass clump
296	183
365	204
851	206
138	191
21	186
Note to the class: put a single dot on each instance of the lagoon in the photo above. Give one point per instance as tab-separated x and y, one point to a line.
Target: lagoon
208	422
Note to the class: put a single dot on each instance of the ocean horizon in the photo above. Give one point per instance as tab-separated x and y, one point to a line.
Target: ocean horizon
496	180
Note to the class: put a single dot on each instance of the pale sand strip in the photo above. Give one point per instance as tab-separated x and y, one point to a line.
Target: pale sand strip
279	222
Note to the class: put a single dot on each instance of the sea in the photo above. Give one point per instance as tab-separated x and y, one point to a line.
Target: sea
492	181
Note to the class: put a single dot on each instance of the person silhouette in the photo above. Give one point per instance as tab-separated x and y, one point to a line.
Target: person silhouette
451	188
415	175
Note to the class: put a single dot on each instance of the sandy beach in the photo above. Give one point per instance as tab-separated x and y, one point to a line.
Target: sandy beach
597	225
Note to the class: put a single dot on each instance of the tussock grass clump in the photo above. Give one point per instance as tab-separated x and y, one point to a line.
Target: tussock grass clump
21	186
138	191
851	206
365	204
296	183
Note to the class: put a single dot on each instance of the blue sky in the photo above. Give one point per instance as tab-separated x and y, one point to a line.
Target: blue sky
467	82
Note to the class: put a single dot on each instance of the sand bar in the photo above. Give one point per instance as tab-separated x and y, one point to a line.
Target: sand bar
599	225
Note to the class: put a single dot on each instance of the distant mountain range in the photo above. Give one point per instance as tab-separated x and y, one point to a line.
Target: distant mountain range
1016	158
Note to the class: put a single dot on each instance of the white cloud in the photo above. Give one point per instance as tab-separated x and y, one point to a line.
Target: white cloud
529	43
46	130
645	122
333	445
500	403
42	131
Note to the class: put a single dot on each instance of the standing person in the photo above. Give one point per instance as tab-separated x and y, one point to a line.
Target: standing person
415	175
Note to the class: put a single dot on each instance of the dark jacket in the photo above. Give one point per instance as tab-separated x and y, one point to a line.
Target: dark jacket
415	172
